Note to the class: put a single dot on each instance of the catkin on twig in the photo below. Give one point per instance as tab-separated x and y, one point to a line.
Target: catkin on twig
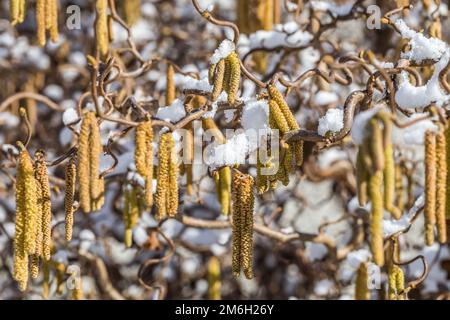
89	151
214	283
17	11
101	26
430	186
217	73
131	212
40	21
170	85
396	283
243	205
376	219
441	186
235	77
71	172
361	288
44	204
143	157
167	187
26	216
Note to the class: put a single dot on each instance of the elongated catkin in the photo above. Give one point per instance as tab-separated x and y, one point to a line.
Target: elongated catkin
143	157
242	239
44	204
214	283
441	186
101	26
71	172
376	219
40	21
218	73
396	283
26	216
131	213
167	187
430	186
89	151
235	77
170	85
361	287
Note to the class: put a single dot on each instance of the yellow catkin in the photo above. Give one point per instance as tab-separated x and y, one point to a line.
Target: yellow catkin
396	282
212	73
101	26
362	177
361	289
218	72
53	15
399	189
430	186
131	213
376	219
26	215
447	160
277	117
83	164
441	187
243	205
132	11
71	172
17	11
46	280
376	144
44	204
234	78
276	96
225	189
247	228
162	188
77	292
40	21
96	149
172	198
34	266
262	181
214	283
170	85
238	222
89	151
226	76
143	157
189	158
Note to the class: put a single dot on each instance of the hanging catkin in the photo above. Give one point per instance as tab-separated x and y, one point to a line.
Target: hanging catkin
89	151
447	160
17	11
441	186
71	173
40	21
143	157
131	212
361	287
277	97
242	239
389	166
44	204
430	186
362	178
101	26
217	72
234	78
224	189
167	187
396	283
170	85
214	283
26	215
